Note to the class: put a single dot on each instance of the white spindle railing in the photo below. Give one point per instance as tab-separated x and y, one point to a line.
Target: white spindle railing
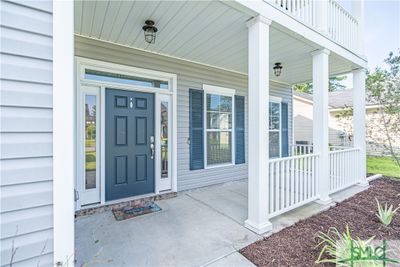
301	149
303	10
292	183
343	168
342	26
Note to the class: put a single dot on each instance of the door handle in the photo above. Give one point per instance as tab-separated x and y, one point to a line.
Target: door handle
152	147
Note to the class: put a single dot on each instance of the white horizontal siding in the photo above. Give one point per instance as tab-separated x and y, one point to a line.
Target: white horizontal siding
25	94
190	75
26	217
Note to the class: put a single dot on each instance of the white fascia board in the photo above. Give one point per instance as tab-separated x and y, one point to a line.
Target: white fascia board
302	99
296	29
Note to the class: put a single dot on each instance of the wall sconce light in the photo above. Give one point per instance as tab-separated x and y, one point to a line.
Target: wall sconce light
150	31
277	69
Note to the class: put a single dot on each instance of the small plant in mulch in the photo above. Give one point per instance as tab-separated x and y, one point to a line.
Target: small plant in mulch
339	247
385	213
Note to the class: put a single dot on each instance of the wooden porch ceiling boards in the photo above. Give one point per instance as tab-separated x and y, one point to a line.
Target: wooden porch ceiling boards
207	32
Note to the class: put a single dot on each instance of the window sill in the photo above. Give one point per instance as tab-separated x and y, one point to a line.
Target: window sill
219	165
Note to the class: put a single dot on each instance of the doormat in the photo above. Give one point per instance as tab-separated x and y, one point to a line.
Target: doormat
128	212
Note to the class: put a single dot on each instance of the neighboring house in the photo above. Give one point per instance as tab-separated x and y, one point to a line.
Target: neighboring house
93	114
341	122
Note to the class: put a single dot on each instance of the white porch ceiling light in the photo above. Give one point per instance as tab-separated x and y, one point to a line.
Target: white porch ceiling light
150	31
278	69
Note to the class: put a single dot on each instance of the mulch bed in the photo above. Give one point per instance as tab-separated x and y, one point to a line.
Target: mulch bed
295	245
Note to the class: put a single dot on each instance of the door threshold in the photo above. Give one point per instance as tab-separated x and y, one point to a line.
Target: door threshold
136	200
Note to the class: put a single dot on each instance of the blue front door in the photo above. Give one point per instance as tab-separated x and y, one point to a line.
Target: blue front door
129	135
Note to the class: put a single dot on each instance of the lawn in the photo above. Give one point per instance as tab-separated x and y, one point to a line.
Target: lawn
383	165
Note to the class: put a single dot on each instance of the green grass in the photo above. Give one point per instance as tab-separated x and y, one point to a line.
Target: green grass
90	161
383	165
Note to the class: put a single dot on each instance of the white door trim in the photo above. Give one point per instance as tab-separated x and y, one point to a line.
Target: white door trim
160	95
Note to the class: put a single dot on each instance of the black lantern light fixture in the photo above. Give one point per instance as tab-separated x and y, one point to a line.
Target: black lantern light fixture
150	31
278	69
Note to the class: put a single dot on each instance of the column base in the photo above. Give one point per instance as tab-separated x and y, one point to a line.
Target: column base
364	183
258	228
324	201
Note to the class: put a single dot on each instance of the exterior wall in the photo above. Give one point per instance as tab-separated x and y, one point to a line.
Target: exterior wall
190	75
375	132
303	124
26	133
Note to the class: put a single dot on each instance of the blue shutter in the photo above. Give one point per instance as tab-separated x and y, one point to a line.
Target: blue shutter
239	130
285	129
196	129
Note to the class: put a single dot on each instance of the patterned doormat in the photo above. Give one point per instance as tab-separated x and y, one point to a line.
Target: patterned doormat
128	212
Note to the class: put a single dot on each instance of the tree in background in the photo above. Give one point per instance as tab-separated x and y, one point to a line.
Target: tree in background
383	88
334	85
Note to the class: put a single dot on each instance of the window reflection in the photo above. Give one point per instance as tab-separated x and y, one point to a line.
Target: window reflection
164	139
90	141
124	79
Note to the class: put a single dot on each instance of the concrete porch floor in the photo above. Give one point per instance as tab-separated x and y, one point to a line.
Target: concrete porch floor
201	227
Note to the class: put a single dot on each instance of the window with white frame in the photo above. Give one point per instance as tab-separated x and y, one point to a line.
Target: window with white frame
274	129
218	130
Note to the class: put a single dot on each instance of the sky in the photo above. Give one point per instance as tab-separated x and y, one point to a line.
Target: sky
382	30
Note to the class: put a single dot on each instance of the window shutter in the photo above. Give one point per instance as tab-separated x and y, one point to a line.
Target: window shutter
239	130
285	130
196	129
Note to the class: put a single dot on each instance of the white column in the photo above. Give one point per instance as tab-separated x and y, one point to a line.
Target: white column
63	133
358	13
359	121
258	78
321	16
320	121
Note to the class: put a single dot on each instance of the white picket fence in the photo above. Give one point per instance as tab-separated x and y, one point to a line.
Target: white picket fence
343	169
342	26
292	183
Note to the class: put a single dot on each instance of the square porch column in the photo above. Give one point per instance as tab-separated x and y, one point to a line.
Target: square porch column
258	79
320	121
359	122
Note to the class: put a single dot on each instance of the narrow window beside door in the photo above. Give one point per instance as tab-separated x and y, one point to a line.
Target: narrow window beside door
90	142
164	139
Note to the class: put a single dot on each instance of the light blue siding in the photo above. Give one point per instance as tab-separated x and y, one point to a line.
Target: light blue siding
26	133
190	75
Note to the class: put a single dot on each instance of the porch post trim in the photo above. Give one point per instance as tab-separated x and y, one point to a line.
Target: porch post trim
320	121
359	122
258	79
63	133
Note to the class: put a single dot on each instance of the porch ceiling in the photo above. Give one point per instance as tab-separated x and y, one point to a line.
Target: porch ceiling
207	32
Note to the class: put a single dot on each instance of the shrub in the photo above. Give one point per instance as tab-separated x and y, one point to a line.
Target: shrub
385	213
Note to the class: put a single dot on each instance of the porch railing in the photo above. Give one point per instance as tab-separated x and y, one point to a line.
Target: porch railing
303	10
292	183
301	149
342	27
343	168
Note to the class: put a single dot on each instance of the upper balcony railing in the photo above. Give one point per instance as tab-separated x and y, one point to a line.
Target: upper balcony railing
328	17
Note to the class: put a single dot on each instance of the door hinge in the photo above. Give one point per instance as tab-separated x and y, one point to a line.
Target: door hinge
76	195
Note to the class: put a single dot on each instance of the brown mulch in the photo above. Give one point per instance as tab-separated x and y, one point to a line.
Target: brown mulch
295	245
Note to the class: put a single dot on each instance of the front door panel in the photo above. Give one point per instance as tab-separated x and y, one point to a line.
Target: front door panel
129	133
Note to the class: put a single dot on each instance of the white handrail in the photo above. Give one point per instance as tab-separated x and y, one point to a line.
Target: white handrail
343	171
342	26
292	182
